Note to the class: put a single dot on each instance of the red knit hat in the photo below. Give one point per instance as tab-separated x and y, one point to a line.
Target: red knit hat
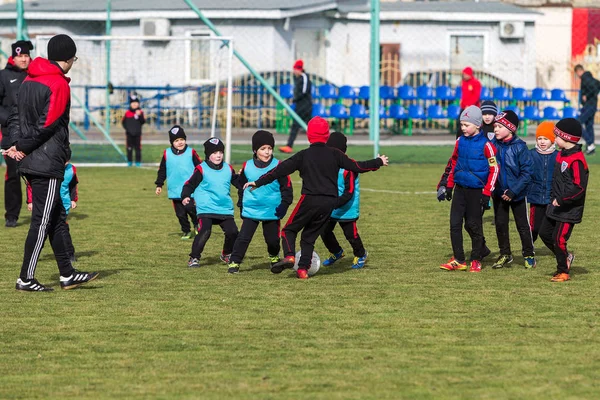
468	71
318	130
299	65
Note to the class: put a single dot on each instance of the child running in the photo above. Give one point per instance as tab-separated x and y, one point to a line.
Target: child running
268	204
210	186
569	185
346	212
543	156
177	165
319	168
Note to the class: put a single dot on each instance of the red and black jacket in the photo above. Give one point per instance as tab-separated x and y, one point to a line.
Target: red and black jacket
11	79
133	122
40	128
569	184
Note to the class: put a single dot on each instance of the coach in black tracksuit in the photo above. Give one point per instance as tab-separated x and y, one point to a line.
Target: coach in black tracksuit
302	101
11	78
40	135
319	166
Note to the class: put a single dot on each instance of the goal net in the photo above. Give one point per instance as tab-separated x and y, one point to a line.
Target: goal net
182	81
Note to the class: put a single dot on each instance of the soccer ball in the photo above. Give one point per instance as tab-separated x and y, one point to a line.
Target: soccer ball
315	263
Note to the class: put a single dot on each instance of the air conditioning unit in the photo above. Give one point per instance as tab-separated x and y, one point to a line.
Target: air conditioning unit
155	27
512	29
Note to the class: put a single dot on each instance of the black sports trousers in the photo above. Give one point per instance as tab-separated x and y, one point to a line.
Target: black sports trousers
13	192
134	143
310	216
182	212
555	235
466	206
249	226
350	232
205	225
48	218
502	218
537	213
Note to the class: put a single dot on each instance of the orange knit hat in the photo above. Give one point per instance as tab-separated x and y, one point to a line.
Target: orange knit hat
545	129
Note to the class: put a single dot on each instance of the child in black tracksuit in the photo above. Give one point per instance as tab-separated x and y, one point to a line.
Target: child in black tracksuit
346	212
177	165
210	185
319	167
569	185
132	122
268	204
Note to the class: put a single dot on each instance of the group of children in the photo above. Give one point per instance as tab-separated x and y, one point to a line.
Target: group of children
329	196
502	168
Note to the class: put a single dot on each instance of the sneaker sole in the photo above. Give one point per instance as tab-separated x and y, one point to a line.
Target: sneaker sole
281	266
79	284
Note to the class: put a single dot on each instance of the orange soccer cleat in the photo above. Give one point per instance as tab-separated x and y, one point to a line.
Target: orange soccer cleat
560	277
454	265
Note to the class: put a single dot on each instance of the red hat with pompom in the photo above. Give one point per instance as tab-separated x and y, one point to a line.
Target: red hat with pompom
317	130
299	65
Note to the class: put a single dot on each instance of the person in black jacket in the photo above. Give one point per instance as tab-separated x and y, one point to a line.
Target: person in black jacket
39	134
132	122
588	98
319	166
569	185
11	78
302	101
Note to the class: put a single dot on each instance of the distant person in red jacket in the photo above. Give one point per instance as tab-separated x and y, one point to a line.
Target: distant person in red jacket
132	122
471	94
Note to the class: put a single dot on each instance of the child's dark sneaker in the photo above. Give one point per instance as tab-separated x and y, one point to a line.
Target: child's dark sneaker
530	262
485	252
77	278
31	286
570	259
475	266
333	258
359	262
225	257
302	273
234	268
274	259
560	277
186	235
287	262
503	261
194	262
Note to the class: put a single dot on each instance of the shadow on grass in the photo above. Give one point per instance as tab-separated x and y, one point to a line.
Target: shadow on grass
77	216
104	273
78	254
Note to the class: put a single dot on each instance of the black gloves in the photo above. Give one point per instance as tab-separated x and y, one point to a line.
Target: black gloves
449	194
485	202
508	193
441	193
281	210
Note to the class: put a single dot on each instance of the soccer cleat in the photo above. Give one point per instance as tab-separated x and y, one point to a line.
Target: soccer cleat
186	236
530	262
560	277
302	273
234	268
475	266
503	261
287	262
31	286
286	149
485	252
194	262
454	265
274	259
570	259
11	223
225	257
359	262
590	150
77	278
333	257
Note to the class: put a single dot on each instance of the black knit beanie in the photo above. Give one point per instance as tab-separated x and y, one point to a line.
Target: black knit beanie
337	140
21	47
213	145
61	48
134	99
260	138
509	119
175	133
568	129
489	107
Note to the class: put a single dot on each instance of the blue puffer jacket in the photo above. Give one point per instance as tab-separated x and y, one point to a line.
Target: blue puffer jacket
516	168
541	182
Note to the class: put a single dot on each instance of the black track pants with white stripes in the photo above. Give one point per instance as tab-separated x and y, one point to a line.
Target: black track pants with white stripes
48	218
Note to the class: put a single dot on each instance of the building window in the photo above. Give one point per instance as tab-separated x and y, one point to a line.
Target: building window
199	59
466	50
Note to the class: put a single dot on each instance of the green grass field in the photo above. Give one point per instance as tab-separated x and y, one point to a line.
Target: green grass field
149	327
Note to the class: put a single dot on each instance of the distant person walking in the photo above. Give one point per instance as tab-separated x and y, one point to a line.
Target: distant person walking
471	94
588	98
302	101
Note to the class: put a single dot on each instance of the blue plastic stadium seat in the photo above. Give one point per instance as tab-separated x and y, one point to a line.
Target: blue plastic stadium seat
358	111
319	110
425	92
314	91
520	94
339	111
416	111
387	93
406	92
531	113
458	93
453	111
396	111
348	92
286	91
382	112
539	94
514	109
435	111
444	93
551	113
485	94
558	95
570	112
501	94
364	93
327	91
